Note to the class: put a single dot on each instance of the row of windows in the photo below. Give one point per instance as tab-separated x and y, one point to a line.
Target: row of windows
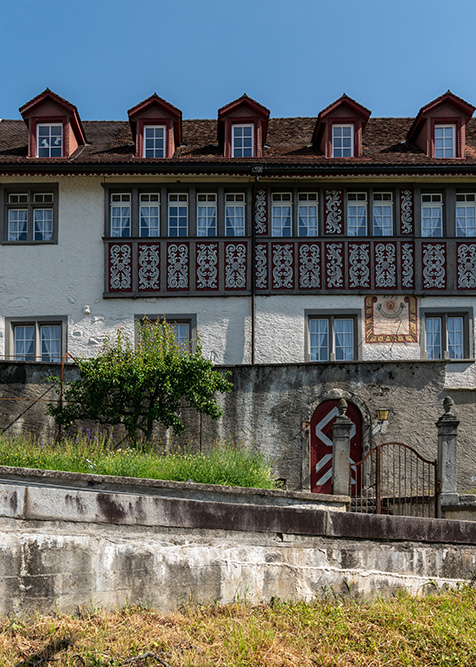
329	337
123	222
50	140
286	219
31	214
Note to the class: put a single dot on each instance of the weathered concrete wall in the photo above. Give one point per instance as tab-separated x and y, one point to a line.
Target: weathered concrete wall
61	548
270	402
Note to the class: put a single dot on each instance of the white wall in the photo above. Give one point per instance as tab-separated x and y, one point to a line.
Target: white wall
67	279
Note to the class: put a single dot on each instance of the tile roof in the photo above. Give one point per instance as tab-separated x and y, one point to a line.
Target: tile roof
288	142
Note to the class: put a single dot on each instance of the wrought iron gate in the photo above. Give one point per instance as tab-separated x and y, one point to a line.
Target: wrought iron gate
394	479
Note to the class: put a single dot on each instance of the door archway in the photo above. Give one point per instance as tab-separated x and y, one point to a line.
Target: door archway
321	444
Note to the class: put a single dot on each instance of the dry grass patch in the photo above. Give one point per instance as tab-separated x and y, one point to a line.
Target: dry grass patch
434	630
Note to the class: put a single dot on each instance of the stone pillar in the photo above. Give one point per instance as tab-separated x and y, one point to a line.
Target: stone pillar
341	431
447	426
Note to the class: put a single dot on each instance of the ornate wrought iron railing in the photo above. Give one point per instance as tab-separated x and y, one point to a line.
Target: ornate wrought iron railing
394	478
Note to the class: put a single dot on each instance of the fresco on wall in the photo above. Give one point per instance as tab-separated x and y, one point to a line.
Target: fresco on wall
390	319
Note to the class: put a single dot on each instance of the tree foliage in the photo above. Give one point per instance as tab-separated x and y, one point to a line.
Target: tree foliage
137	386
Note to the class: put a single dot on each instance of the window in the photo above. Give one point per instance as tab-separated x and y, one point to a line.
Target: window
120	214
178	214
432	215
383	213
185	327
206	215
357	214
36	340
307	213
30	216
445	143
154	141
234	214
49	140
242	140
446	335
332	337
465	215
281	214
342	141
149	214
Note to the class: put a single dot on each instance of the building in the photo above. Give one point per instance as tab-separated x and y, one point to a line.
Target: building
333	240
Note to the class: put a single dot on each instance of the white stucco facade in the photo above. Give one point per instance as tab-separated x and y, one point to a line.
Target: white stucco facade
66	280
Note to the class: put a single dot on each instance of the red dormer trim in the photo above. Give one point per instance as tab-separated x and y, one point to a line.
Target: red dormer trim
156	111
422	131
243	111
50	108
344	111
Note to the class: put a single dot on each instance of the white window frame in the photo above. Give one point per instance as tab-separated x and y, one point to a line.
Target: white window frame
431	203
357	200
444	151
157	152
147	202
177	200
235	209
120	222
466	202
49	148
282	210
306	202
237	143
338	151
207	201
37	324
382	200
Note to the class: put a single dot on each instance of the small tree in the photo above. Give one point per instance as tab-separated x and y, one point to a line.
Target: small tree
137	386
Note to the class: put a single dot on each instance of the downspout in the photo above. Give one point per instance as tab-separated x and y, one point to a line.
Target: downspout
256	171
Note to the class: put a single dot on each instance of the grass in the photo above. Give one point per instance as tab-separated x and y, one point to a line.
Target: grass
227	464
428	631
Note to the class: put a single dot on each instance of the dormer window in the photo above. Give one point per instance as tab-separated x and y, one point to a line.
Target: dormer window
242	140
49	140
342	141
242	127
445	141
154	141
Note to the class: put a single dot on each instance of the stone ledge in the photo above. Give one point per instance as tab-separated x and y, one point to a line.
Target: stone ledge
170	489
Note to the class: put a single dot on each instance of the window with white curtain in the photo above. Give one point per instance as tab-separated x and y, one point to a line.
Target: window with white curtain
446	334
31	216
307	213
382	213
432	215
281	214
206	214
357	213
466	214
36	340
234	214
332	337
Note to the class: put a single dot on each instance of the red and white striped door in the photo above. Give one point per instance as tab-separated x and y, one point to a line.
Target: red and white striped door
321	444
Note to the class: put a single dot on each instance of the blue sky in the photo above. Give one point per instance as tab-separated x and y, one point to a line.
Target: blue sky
293	56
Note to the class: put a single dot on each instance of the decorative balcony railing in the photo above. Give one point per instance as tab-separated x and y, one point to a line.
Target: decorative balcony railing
166	267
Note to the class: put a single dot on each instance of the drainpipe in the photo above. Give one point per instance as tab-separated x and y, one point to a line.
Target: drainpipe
256	171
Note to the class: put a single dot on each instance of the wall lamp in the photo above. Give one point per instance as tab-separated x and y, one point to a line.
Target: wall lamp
382	414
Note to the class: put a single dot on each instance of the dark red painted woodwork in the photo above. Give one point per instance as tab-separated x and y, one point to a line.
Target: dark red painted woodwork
321	444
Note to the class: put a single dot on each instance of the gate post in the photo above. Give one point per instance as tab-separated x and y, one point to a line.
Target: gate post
447	426
341	431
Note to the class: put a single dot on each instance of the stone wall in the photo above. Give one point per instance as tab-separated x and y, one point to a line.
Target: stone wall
270	402
83	540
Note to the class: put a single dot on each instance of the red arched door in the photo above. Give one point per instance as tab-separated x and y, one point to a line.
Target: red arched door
321	444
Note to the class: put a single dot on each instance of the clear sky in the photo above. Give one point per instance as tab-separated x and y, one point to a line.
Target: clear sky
293	56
